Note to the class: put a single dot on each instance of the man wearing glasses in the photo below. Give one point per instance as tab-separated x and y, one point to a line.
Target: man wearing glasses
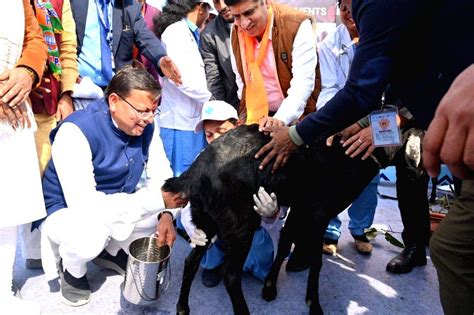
90	184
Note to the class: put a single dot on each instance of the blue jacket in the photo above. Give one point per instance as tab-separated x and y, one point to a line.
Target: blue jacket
417	47
128	27
118	159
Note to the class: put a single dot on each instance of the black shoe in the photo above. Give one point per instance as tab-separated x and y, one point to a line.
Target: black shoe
404	262
74	291
211	277
298	260
117	263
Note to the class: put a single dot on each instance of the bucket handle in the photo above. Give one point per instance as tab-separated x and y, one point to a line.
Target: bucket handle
142	293
139	288
158	278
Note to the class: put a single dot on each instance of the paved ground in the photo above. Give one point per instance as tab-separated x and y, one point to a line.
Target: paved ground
363	287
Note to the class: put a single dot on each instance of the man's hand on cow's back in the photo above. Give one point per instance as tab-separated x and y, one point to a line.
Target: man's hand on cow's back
360	143
344	134
268	122
280	147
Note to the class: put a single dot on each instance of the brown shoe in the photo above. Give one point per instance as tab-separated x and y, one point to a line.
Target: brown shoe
329	249
364	248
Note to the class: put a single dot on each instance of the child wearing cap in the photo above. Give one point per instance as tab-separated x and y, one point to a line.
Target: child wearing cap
217	118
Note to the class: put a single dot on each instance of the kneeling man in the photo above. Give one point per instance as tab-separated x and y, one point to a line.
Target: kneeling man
95	209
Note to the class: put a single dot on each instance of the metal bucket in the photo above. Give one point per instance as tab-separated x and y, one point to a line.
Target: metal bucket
148	272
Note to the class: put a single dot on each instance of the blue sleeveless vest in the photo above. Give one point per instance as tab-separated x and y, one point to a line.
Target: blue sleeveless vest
118	158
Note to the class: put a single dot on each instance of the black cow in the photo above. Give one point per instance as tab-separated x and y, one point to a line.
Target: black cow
317	183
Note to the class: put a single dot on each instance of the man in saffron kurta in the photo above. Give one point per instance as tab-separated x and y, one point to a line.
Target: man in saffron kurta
274	57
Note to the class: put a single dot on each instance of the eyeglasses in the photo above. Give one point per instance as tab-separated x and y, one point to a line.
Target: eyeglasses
143	114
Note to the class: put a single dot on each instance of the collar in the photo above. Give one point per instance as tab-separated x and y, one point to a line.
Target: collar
117	130
193	27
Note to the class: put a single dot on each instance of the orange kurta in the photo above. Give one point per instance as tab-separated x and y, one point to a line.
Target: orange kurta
34	53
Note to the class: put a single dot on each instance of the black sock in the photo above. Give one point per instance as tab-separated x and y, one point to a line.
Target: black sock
330	241
361	238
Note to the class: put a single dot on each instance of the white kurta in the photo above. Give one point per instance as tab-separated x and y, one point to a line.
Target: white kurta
181	105
118	218
21	194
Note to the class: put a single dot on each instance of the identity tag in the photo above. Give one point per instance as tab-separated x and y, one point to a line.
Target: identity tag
385	131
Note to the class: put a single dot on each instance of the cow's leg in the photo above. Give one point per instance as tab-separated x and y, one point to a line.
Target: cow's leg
191	265
316	234
236	254
269	290
323	212
346	180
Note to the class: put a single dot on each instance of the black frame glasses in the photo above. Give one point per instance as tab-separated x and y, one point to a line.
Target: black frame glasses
142	114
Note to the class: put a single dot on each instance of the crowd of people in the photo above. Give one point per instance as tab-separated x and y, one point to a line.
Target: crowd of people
102	101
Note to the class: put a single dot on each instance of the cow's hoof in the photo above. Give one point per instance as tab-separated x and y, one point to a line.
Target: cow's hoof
314	308
182	310
269	292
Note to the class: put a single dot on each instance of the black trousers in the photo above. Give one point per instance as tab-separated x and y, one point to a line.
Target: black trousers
412	195
412	185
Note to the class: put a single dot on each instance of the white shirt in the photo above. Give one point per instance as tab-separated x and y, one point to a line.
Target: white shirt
335	57
73	161
181	105
303	70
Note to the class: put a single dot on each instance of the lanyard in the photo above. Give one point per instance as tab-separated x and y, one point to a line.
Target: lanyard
104	21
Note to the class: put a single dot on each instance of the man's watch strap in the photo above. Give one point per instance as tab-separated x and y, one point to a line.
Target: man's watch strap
163	212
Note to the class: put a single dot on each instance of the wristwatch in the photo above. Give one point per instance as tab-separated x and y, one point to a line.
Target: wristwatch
163	212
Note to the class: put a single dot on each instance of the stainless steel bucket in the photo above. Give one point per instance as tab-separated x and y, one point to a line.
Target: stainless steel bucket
148	272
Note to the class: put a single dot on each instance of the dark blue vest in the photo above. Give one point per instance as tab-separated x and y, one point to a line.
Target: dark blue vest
118	158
